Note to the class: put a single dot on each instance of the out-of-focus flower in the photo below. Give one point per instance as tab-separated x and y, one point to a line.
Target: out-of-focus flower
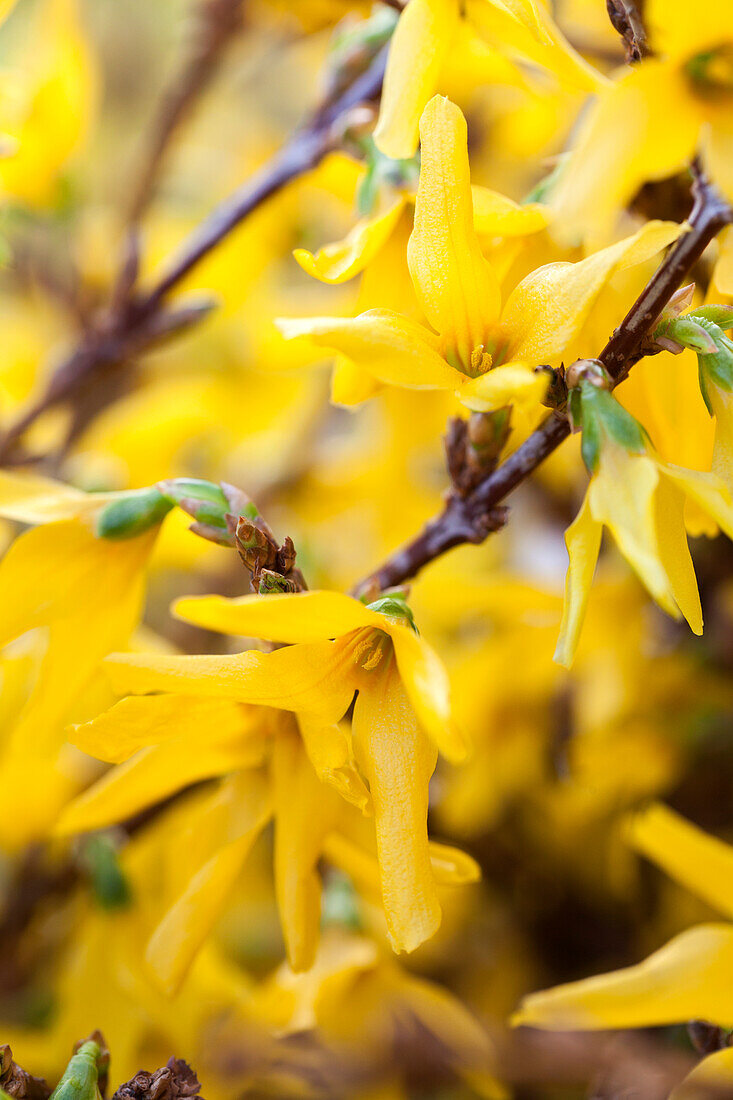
429	30
660	112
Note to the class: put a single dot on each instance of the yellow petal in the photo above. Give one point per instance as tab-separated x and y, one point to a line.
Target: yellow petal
622	496
455	285
583	542
225	834
330	753
305	811
313	678
419	46
397	761
511	384
451	866
137	723
428	689
495	215
674	552
550	306
342	260
688	978
288	617
390	347
525	28
350	384
633	113
707	490
712	1079
701	863
31	499
154	773
722	405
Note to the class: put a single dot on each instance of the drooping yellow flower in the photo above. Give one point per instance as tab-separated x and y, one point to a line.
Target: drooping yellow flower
659	112
356	999
688	978
70	598
484	353
427	33
641	500
200	728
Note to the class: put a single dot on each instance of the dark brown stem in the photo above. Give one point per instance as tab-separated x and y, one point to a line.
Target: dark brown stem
215	23
135	321
470	519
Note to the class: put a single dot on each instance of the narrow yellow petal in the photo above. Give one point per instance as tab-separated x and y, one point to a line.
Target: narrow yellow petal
712	1079
288	617
428	689
137	723
451	866
674	552
701	863
158	771
397	761
525	28
350	384
722	405
420	43
389	346
342	260
305	811
31	499
237	816
707	490
495	215
330	753
456	287
313	678
622	497
547	310
511	384
583	542
688	978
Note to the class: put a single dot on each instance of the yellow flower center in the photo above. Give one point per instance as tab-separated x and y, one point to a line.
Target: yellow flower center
370	648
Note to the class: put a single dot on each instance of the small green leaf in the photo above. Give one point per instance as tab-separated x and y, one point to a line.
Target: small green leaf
720	315
132	514
691	333
394	607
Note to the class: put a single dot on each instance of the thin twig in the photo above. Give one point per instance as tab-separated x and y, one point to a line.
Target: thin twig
215	23
133	321
472	518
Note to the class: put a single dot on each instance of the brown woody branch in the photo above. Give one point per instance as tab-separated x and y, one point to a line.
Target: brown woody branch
133	321
471	518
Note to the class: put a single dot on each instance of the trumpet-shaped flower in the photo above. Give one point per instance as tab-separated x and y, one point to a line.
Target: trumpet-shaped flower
660	112
426	35
641	500
215	719
484	353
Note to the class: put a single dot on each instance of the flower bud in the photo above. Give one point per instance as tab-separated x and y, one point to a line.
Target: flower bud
132	514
